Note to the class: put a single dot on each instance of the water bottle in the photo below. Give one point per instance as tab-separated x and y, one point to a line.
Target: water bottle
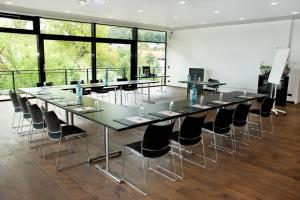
194	93
78	89
189	78
221	96
142	111
171	106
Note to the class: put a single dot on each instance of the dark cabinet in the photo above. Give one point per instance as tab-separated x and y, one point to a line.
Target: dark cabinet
282	89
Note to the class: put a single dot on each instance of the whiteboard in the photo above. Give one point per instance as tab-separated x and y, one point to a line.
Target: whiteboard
279	63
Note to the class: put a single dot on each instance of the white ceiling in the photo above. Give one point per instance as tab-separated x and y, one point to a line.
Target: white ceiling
161	13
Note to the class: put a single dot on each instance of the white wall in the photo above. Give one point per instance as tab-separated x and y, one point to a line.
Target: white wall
294	84
231	54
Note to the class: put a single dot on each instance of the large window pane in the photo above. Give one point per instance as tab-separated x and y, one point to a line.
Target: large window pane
105	31
113	59
60	27
67	60
18	59
151	36
153	55
15	23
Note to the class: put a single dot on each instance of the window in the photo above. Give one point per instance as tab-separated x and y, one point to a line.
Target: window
67	60
153	55
60	27
113	59
115	32
18	61
16	23
151	36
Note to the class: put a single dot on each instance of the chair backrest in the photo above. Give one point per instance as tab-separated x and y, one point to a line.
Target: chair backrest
224	119
74	82
122	79
213	81
52	122
241	113
94	81
266	107
14	99
22	102
156	141
146	70
47	84
190	130
35	112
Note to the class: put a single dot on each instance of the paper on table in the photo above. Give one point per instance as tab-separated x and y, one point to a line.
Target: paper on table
84	109
169	113
67	103
200	106
220	102
138	119
245	97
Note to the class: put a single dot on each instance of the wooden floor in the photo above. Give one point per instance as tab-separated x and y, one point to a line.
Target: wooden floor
266	169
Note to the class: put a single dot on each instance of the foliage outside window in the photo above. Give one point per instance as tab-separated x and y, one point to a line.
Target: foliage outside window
67	60
115	32
114	57
153	55
16	23
151	36
60	27
18	53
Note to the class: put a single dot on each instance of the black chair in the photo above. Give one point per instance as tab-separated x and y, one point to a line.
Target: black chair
25	114
221	127
190	135
240	117
16	105
264	111
212	88
146	71
100	90
128	89
155	144
47	84
37	121
60	133
84	91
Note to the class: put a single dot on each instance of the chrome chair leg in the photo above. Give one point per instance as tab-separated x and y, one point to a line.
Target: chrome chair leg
57	155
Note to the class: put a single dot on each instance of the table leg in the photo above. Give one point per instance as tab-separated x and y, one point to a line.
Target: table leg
121	95
161	84
46	105
115	95
106	169
148	92
67	117
72	119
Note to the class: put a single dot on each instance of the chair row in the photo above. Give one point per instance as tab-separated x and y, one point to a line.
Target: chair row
39	119
160	140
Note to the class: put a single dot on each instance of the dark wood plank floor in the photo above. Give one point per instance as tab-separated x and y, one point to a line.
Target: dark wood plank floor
266	169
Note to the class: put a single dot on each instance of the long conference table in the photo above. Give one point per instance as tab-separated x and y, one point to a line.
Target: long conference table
119	118
116	85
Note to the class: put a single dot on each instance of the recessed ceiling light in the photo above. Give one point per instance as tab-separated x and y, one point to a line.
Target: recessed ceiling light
216	12
182	2
144	22
203	23
172	26
175	17
110	17
66	11
8	2
140	11
295	12
274	3
242	18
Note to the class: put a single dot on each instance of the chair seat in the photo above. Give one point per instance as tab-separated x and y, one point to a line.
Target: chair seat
129	88
99	90
210	126
184	141
18	109
255	111
67	131
26	115
136	146
239	123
